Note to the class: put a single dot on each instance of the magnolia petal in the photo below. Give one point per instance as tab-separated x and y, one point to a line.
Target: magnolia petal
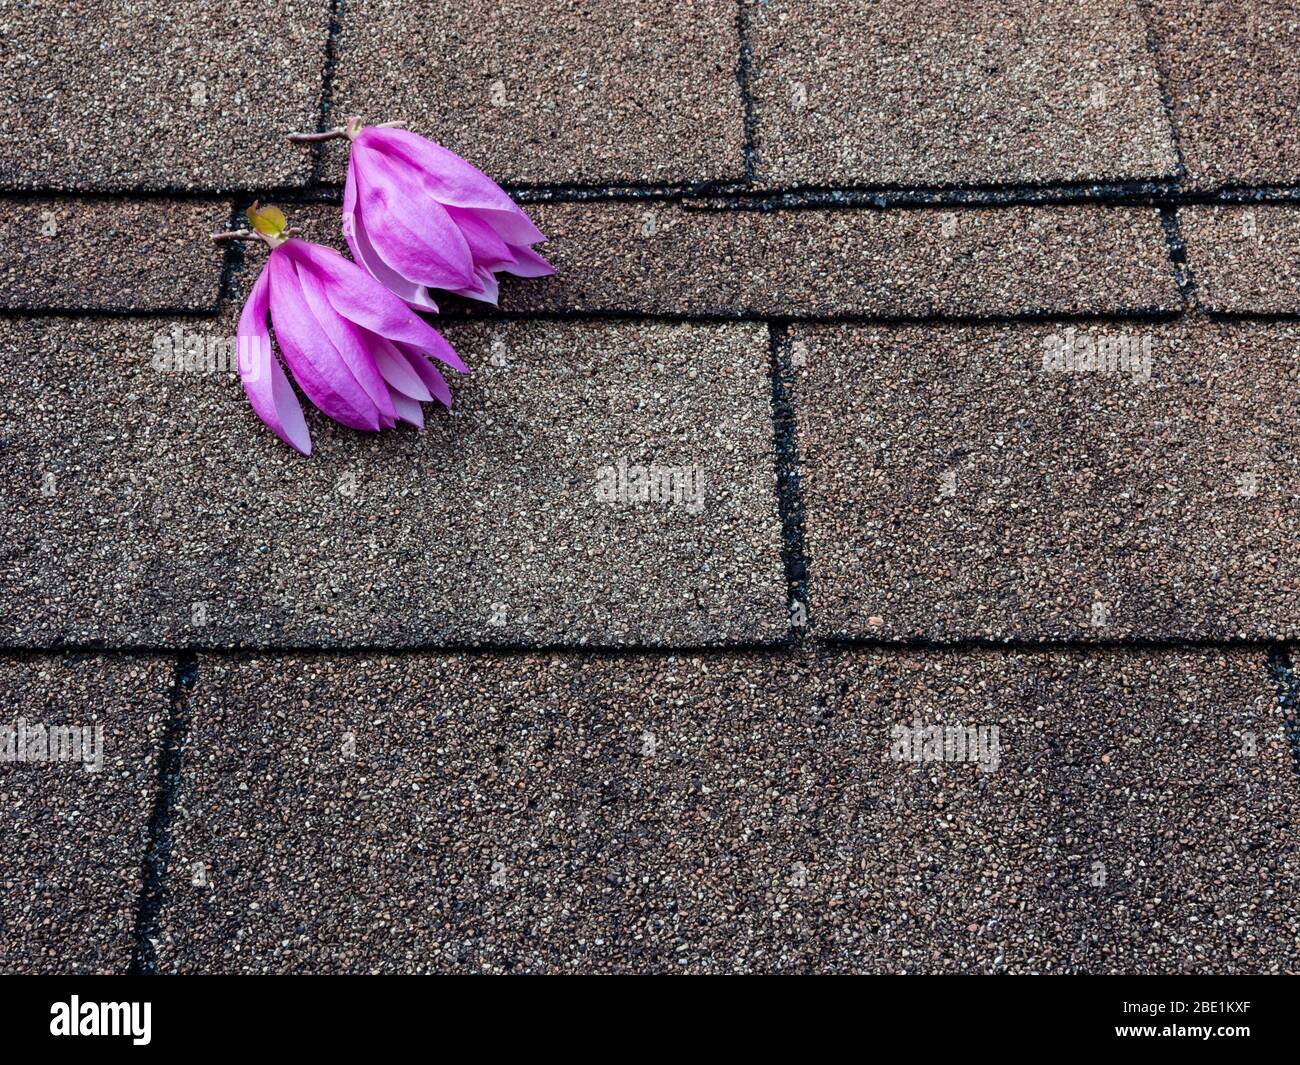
354	344
488	249
515	227
438	349
350	189
412	232
448	176
267	388
485	288
528	263
398	372
317	366
359	298
363	251
453	181
429	374
408	410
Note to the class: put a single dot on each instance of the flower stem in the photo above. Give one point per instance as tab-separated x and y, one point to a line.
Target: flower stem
315	138
350	130
271	241
230	236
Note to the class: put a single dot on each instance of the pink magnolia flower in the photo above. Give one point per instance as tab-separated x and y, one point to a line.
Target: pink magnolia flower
356	350
417	216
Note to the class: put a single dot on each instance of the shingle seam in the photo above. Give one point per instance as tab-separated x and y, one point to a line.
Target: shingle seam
153	891
1166	97
1050	643
232	261
452	316
1170	223
100	197
486	648
1029	317
779	650
1123	194
1282	670
53	311
789	489
1250	316
744	63
186	193
732	196
236	259
326	90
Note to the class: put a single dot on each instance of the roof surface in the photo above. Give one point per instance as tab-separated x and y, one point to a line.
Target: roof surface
973	337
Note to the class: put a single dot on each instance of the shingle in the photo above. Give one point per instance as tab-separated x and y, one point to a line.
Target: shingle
933	93
126	255
1244	259
660	258
545	91
152	508
954	488
1232	79
75	838
735	813
159	94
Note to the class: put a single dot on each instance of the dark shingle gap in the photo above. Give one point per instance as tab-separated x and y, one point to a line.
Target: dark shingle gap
379	647
233	262
144	960
112	312
1178	255
739	197
733	196
1282	670
1145	314
326	91
1083	645
1166	98
743	63
775	651
1253	316
459	316
789	495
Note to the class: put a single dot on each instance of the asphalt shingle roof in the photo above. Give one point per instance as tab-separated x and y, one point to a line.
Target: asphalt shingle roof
160	94
1233	87
958	484
552	92
80	254
655	258
76	838
734	813
1246	260
974	330
937	93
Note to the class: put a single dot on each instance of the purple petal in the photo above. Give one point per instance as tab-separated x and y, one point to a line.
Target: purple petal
429	374
488	249
440	349
352	342
408	410
528	263
411	231
268	390
363	251
317	366
359	298
485	287
398	372
453	181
